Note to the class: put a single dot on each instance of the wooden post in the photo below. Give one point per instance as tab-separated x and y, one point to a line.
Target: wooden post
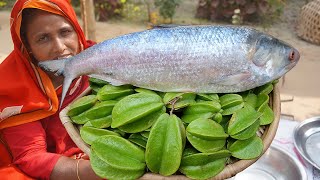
88	18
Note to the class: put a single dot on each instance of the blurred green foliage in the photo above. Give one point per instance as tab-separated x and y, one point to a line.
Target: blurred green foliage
75	3
167	8
135	10
2	3
264	12
6	4
107	9
250	10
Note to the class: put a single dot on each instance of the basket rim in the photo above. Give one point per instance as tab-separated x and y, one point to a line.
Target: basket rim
229	171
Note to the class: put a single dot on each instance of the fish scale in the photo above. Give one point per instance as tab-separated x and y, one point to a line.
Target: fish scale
201	59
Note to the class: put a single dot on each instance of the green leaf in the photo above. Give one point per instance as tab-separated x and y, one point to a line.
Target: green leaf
265	89
188	118
110	92
262	102
247	149
204	165
164	146
90	134
138	139
82	104
242	119
248	132
80	118
119	152
206	129
142	90
106	171
189	151
143	123
267	116
114	157
135	107
208	97
203	107
103	122
251	100
198	159
98	82
230	100
203	145
100	110
185	99
145	133
230	103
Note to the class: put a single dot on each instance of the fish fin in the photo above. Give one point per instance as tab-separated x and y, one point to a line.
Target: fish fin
261	62
233	79
110	80
258	55
251	52
66	84
166	26
56	66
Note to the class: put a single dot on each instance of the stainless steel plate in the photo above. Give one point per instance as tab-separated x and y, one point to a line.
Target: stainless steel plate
274	164
307	140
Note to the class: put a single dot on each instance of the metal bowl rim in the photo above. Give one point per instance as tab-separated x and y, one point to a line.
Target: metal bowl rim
301	168
296	129
296	162
307	121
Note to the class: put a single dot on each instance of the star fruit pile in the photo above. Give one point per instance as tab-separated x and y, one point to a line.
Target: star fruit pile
132	131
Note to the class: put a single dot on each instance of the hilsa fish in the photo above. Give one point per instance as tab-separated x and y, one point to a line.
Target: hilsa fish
200	59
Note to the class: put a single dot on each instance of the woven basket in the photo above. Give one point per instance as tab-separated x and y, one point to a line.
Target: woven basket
309	22
267	135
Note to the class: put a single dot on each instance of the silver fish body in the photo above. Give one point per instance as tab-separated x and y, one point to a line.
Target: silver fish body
201	59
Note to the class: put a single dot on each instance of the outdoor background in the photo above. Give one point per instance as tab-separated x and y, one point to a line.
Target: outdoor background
300	92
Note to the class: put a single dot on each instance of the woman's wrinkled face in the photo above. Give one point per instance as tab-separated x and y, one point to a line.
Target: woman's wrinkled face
51	36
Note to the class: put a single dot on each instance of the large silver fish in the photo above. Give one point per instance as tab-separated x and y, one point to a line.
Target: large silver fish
202	59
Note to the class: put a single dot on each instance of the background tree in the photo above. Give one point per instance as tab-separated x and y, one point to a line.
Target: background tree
250	10
167	8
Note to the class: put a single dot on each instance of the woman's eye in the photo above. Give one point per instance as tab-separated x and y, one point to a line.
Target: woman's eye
42	39
66	32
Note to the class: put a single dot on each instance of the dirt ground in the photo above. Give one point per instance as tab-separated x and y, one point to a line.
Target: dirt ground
300	94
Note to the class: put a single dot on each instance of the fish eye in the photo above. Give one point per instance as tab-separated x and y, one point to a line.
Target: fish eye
291	55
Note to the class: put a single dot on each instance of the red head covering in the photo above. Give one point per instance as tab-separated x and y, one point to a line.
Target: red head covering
26	92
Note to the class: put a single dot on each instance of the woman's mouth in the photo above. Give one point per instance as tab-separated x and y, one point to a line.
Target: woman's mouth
64	57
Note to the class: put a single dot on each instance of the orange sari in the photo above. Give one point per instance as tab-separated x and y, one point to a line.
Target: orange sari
26	92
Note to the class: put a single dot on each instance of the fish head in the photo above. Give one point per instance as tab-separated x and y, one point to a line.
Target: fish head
273	57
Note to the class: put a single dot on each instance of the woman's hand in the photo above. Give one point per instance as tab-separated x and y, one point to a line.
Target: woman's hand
68	168
154	176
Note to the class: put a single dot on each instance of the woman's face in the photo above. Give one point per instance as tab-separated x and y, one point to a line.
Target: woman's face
51	36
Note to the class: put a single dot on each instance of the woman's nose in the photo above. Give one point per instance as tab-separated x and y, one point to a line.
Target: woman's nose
59	45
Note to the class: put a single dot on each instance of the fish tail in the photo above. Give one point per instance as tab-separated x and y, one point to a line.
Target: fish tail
56	66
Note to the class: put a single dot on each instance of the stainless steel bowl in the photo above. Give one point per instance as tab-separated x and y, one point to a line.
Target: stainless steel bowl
274	164
307	140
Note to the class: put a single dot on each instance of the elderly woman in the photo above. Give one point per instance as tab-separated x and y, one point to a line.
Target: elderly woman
31	130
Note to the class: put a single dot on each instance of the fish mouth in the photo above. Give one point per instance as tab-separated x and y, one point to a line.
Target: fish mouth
291	65
287	68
